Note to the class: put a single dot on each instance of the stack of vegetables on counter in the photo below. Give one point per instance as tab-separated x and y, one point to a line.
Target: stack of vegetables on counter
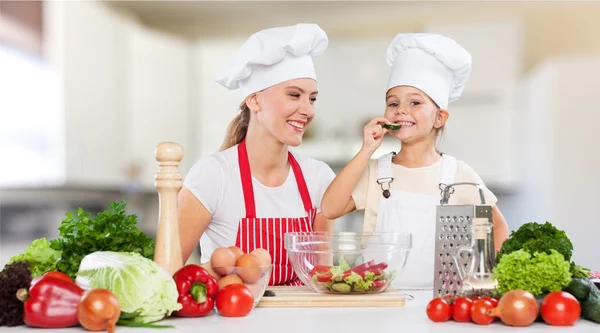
101	274
536	281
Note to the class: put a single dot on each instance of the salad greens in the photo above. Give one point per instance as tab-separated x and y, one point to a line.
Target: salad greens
344	279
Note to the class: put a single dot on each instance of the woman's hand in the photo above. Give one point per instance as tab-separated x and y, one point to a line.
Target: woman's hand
373	134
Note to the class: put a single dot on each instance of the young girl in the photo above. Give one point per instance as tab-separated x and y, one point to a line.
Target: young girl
254	191
399	192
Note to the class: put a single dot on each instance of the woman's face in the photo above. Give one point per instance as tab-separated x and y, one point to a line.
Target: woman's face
415	111
285	110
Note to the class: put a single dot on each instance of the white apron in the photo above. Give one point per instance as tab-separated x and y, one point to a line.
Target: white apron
414	213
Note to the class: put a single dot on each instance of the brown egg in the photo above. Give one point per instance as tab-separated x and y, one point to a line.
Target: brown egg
248	268
237	251
229	279
223	260
263	256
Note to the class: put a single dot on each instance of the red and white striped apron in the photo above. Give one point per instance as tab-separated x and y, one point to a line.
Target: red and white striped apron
268	233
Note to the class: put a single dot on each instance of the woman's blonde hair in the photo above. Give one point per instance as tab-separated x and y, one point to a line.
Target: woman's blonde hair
238	127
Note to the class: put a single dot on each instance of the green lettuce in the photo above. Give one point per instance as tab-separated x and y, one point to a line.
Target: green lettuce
539	273
40	257
146	292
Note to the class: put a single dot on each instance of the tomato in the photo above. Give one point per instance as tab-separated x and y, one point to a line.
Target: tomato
438	310
476	297
560	309
492	300
54	274
235	300
479	312
461	309
320	269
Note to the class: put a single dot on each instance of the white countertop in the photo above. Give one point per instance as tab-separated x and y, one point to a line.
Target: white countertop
408	319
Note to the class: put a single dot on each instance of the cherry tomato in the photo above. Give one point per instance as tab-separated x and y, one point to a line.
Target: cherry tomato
461	309
560	308
476	297
479	312
438	310
54	274
235	300
492	300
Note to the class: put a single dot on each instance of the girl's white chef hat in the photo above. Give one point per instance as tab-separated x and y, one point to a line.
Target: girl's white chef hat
272	56
435	64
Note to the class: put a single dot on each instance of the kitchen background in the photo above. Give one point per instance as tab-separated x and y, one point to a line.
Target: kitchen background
89	88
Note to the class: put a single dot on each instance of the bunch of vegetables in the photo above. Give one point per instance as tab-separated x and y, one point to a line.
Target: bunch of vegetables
517	308
341	278
537	258
53	300
80	235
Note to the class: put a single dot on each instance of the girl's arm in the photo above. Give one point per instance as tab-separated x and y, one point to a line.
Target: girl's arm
337	200
501	231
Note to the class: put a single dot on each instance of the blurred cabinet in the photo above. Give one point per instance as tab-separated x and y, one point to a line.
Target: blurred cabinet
215	106
123	89
158	98
82	46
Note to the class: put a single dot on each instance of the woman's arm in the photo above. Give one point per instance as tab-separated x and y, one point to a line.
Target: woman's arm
501	230
193	220
322	223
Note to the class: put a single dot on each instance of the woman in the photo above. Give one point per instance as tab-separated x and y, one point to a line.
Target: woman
254	190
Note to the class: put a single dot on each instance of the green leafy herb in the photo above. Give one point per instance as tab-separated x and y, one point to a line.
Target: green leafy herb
110	230
539	273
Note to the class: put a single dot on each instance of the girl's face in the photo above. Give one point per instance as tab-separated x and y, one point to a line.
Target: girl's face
285	110
416	112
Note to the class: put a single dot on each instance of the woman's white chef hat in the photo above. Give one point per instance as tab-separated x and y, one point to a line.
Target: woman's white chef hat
435	64
273	56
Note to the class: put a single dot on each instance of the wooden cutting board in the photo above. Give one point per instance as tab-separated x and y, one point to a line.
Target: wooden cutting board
299	297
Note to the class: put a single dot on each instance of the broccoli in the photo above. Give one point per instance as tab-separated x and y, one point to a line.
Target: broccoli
536	237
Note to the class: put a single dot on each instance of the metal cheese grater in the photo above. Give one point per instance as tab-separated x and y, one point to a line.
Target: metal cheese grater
453	231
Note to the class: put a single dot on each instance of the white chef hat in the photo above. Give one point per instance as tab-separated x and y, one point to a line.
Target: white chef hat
435	64
273	56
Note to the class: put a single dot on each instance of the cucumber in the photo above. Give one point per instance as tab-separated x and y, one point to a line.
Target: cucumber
580	288
590	307
392	127
341	287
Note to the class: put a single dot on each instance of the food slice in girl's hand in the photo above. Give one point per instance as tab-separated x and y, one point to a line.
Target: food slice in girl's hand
392	127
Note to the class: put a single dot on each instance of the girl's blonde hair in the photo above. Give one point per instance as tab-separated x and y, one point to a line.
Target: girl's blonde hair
238	127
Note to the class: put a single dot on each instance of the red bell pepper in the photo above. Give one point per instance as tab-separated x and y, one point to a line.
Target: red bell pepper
197	291
51	302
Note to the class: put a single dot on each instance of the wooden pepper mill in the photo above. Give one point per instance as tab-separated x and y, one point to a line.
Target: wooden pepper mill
168	183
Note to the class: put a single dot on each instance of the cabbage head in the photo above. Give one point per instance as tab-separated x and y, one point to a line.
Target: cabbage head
146	292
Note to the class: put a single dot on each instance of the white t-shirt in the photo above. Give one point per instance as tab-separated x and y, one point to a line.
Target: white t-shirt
215	181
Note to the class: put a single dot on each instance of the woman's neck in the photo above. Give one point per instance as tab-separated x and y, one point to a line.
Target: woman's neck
418	154
268	158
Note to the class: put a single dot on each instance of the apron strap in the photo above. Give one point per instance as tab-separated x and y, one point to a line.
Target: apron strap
248	189
385	175
304	194
246	180
449	167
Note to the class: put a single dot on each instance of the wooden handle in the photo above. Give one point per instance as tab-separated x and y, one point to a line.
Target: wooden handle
168	183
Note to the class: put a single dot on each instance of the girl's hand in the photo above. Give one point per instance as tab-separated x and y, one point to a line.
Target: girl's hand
373	134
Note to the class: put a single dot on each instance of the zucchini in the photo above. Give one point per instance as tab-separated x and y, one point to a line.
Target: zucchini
392	127
580	288
590	307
